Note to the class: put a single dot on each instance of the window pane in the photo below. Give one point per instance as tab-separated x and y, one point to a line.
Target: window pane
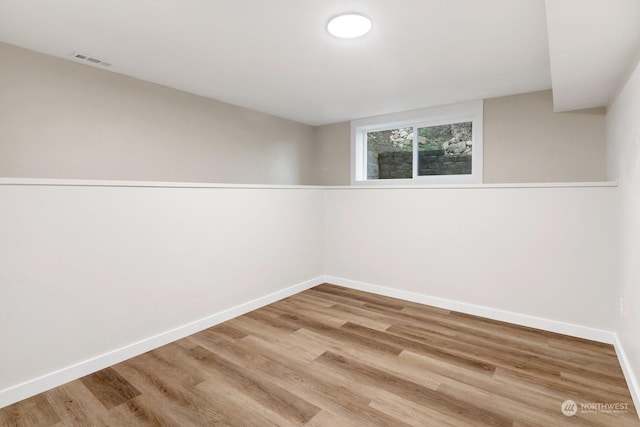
390	154
445	149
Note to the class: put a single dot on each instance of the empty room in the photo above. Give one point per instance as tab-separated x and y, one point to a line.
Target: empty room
319	213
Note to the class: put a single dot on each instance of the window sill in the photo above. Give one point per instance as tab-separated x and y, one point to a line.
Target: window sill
363	185
358	186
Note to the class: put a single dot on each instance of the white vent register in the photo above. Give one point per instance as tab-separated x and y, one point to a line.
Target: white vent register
88	58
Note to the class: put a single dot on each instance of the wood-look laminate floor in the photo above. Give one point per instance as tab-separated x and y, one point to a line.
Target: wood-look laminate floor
332	356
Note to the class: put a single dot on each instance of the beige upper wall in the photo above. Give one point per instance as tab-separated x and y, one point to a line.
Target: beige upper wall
524	141
60	119
332	154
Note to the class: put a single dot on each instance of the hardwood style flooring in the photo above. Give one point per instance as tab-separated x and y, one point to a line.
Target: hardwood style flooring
332	356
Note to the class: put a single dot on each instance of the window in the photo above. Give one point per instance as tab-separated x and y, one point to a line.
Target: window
441	145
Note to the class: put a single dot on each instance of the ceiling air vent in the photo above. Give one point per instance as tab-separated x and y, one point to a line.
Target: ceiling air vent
88	58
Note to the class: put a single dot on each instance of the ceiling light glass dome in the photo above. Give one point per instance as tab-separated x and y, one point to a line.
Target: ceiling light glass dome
349	25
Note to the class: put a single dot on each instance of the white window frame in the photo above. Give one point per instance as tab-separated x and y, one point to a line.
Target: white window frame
455	113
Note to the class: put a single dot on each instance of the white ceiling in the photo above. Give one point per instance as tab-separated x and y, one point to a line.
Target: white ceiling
593	45
275	56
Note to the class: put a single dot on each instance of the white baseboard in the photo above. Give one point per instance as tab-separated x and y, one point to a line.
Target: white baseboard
629	375
38	385
478	310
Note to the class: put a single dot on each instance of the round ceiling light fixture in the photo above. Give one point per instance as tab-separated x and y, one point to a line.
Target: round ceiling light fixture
349	25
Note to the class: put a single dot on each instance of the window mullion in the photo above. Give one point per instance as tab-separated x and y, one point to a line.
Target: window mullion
415	152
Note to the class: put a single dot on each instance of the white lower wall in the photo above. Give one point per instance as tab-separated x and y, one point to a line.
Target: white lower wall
86	270
93	274
623	161
547	253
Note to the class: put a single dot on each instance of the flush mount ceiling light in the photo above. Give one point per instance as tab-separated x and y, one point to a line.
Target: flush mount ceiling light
349	26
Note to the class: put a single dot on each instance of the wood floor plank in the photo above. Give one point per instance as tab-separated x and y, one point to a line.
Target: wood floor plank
164	400
304	350
389	303
333	356
441	351
494	328
264	318
351	315
503	406
340	334
317	302
145	410
330	391
256	327
235	403
109	387
77	406
559	386
168	359
327	419
314	292
540	350
230	331
515	357
269	395
412	413
588	348
30	412
410	390
385	362
292	307
498	386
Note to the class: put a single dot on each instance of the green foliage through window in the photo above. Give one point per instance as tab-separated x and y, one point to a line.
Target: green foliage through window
440	137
